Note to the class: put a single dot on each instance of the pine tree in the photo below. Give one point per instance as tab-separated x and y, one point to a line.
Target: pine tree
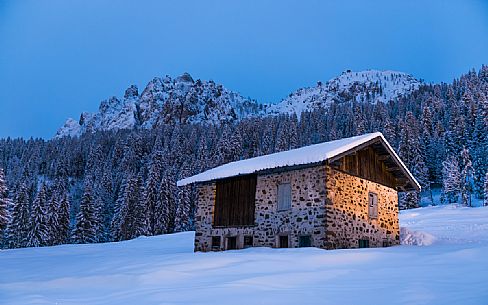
408	200
52	220
183	210
389	132
485	202
140	225
163	209
466	177
38	232
230	146
106	203
282	135
119	225
293	132
427	146
451	180
480	147
98	206
359	121
411	153
63	220
58	213
4	204
85	228
128	221
18	228
151	191
235	146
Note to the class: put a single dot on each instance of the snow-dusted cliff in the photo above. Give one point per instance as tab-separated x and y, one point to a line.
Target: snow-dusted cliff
183	100
366	86
165	100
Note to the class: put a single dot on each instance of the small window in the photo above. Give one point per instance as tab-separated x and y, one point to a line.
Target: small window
231	243
373	205
284	196
363	243
283	241
215	243
386	243
248	241
305	241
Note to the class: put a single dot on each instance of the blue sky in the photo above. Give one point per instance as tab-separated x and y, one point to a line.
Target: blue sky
59	58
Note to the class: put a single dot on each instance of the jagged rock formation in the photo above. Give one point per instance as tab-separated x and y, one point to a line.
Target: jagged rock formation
165	100
184	100
370	86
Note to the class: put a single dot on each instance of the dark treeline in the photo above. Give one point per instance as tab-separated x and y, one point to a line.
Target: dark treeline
117	185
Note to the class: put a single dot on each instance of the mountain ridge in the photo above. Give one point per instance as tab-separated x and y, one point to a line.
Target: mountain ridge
183	100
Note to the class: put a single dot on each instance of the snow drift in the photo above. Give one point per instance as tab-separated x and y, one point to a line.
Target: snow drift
164	270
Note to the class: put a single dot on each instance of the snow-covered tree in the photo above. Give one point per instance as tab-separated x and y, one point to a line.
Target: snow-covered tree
452	180
4	203
410	151
293	131
164	207
18	227
52	220
38	232
63	220
486	190
140	225
130	220
479	147
85	228
151	191
182	222
466	177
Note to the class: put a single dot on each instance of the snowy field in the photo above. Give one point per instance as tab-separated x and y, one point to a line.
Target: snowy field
453	269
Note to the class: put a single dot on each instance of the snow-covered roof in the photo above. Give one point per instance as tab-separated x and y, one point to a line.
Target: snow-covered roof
300	156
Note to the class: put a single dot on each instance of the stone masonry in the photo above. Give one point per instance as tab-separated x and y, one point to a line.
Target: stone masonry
347	212
329	206
306	216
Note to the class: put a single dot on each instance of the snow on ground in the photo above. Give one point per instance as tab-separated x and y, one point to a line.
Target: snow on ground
449	224
164	270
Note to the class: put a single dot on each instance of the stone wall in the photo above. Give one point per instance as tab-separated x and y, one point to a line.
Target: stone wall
306	216
347	212
328	205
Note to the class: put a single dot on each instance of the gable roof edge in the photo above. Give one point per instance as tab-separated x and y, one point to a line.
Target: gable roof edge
349	144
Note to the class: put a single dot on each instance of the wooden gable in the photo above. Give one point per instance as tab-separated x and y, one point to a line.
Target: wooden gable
374	161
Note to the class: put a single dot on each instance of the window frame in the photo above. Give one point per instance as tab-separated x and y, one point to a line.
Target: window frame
231	240
363	243
372	205
281	196
247	244
280	245
214	245
301	237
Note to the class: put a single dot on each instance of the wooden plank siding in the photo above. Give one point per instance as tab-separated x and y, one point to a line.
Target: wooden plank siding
365	163
235	201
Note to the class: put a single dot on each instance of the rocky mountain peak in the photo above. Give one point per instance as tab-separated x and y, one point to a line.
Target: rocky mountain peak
131	92
370	86
185	78
183	100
